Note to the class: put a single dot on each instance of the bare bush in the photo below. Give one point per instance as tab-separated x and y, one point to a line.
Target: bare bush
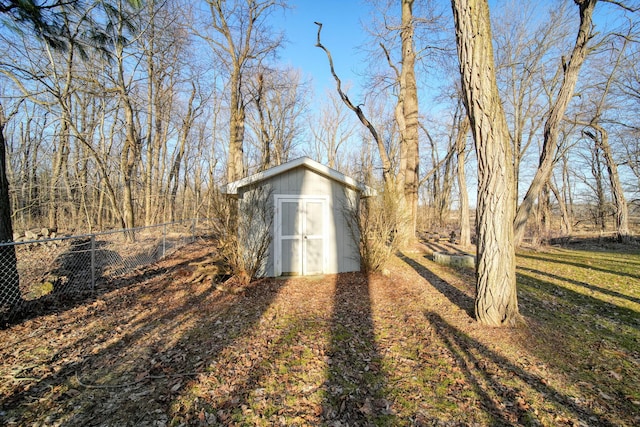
375	225
244	232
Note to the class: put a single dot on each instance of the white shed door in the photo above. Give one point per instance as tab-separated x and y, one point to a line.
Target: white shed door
299	236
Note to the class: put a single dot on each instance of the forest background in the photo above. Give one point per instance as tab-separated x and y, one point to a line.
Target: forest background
142	135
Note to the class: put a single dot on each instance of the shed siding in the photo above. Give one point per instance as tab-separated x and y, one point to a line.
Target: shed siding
342	250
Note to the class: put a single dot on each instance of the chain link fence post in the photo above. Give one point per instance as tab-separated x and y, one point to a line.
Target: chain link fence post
93	263
164	239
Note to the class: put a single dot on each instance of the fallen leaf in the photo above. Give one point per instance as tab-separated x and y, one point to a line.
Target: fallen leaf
176	386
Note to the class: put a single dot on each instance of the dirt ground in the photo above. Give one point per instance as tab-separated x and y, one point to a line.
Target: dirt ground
156	348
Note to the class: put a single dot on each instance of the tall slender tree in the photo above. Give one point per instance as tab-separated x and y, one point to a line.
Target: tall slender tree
240	38
407	116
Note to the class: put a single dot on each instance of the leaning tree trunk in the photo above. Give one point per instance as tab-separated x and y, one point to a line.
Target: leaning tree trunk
496	301
555	117
621	215
387	175
565	224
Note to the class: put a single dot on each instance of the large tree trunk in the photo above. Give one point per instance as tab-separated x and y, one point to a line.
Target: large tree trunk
552	125
496	298
408	101
543	216
235	161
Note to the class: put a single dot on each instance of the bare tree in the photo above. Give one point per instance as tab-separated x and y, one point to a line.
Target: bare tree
552	125
627	90
524	60
162	46
240	39
173	180
280	97
123	87
600	136
601	139
331	131
496	298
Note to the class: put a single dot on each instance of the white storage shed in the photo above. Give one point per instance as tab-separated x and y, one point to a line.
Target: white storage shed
312	225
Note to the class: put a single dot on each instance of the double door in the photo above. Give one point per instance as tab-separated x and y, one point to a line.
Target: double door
300	235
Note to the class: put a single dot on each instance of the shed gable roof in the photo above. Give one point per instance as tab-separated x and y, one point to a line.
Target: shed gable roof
233	187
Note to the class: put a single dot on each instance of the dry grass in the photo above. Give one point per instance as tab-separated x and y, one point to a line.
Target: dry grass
160	349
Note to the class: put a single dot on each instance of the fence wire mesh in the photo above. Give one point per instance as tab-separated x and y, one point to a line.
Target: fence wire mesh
55	267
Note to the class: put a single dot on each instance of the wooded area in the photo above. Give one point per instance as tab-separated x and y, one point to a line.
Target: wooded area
119	113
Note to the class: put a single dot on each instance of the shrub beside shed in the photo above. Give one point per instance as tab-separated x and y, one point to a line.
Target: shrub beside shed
310	217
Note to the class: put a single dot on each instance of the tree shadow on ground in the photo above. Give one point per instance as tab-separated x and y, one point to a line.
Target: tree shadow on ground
582	284
356	385
335	378
124	359
564	259
550	301
593	342
506	401
453	294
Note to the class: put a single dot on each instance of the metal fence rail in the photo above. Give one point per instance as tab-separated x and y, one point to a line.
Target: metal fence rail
53	267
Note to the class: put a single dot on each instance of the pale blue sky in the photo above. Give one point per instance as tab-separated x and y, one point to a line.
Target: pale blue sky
342	34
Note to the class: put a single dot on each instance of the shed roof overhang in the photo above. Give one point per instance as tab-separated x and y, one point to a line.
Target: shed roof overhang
364	190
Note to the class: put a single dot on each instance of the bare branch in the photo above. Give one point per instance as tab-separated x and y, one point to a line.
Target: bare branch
391	64
386	164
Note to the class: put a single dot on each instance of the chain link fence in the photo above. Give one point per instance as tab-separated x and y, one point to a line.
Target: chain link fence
54	267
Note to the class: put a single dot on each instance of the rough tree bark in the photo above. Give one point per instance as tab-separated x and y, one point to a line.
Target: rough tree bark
496	302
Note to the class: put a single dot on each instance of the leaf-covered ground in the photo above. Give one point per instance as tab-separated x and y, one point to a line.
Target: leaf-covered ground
158	348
